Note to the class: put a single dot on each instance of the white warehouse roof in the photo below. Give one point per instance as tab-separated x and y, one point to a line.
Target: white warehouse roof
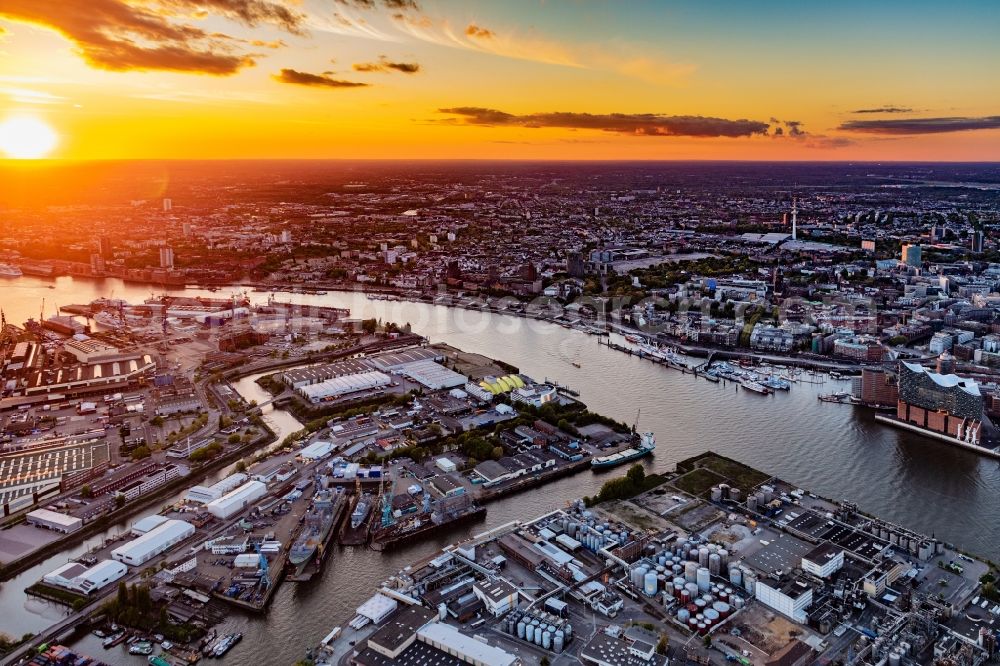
466	648
317	450
54	519
236	500
433	375
152	543
338	386
147	524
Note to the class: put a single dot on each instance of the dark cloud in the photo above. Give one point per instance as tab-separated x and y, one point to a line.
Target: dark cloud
248	12
794	128
324	80
884	109
393	5
479	32
921	125
639	124
386	65
120	36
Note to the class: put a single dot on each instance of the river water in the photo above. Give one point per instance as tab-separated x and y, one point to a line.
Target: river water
835	450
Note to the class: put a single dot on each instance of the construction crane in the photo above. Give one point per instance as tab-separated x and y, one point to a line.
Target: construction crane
262	564
387	518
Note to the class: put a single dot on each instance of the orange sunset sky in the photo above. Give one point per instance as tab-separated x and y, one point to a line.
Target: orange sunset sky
518	79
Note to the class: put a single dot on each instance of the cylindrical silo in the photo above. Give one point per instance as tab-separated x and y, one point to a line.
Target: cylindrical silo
547	640
558	642
736	576
691	571
716	494
714	564
521	630
649	585
704	579
724	558
703	556
750	582
683	615
529	634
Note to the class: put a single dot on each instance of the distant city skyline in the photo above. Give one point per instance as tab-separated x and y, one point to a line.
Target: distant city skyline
426	79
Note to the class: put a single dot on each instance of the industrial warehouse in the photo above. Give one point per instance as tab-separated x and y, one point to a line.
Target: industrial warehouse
752	567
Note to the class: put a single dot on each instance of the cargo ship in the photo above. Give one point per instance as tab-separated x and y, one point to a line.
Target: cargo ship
317	527
446	512
361	511
647	442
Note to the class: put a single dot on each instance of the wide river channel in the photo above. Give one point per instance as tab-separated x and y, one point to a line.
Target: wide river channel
835	450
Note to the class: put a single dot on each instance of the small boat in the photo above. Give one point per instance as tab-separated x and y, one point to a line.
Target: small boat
114	639
226	644
141	648
756	387
157	661
100	633
575	364
10	271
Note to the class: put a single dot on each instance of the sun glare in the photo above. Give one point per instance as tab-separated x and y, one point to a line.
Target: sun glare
26	138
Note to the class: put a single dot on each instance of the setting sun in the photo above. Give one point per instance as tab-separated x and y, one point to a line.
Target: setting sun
26	138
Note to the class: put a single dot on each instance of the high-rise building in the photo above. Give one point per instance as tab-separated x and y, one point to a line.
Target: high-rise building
879	387
166	257
186	229
911	255
104	246
795	214
168	205
976	244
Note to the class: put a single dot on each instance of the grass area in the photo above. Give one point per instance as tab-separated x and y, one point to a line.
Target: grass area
731	471
58	595
698	481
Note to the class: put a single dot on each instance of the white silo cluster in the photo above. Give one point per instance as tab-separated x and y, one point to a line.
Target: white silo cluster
724	491
590	533
543	629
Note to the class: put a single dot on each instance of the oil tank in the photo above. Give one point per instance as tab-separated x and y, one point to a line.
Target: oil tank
724	557
722	608
442	611
691	571
737	603
529	634
683	615
547	640
558	642
650	584
521	630
568	630
711	616
704	579
750	582
692	589
716	494
894	659
703	556
735	494
539	632
736	575
752	502
714	564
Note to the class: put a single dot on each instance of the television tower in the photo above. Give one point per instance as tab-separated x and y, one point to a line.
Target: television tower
795	212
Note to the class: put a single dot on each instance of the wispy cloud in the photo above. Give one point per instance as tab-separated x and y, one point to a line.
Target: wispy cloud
913	126
636	124
122	35
324	80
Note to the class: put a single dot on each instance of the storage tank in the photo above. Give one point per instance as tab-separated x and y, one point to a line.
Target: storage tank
521	630
683	615
539	632
676	569
716	494
714	564
703	556
894	659
650	584
737	603
700	603
752	503
693	624
750	582
736	575
442	611
691	571
735	494
711	616
558	642
704	579
638	575
547	640
568	630
692	589
681	547
702	628
724	558
722	608
529	634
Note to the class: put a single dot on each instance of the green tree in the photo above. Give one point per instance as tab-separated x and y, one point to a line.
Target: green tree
141	452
